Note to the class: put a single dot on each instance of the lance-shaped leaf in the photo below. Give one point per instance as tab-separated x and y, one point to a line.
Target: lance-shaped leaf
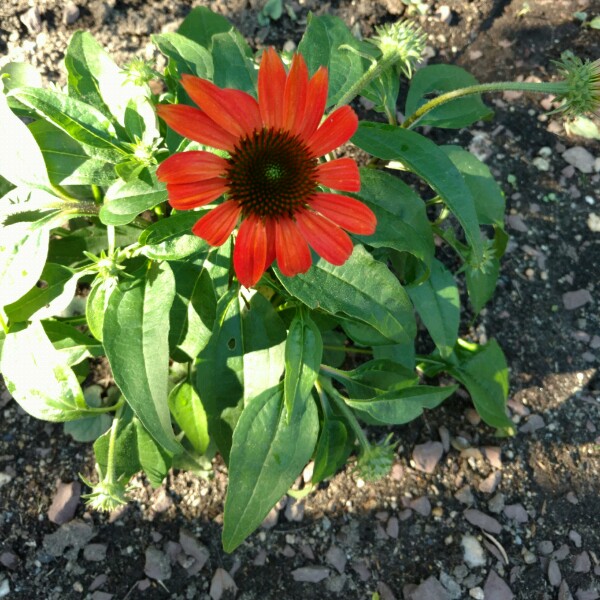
303	355
188	56
331	451
187	410
378	300
136	339
71	343
39	378
267	454
424	158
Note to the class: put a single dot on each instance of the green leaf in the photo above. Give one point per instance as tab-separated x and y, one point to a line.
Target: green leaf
263	335
193	311
97	303
172	238
52	295
484	372
21	161
73	345
378	300
401	406
202	24
90	428
487	194
79	120
136	340
330	453
233	63
328	42
189	414
425	159
438	304
67	162
23	251
594	23
403	354
445	78
220	371
188	56
303	355
38	377
125	200
402	222
267	454
481	284
20	75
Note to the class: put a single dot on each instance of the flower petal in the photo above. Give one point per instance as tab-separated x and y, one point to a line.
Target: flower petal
187	167
271	249
340	174
192	123
295	94
338	128
326	238
348	213
184	196
233	110
216	226
250	252
315	103
271	86
293	255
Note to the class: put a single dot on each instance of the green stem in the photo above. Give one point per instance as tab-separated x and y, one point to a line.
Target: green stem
558	87
338	400
348	349
105	409
112	443
110	234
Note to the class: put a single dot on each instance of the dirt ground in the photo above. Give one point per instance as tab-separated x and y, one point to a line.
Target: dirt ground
496	518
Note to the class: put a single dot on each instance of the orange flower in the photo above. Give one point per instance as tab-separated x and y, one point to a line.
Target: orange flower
271	177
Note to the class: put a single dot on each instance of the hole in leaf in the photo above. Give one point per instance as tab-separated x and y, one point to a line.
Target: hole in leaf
231	344
42	284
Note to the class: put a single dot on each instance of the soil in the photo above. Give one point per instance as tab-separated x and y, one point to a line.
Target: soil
412	535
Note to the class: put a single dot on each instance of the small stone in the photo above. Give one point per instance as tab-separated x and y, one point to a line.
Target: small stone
490	483
427	456
157	564
94	552
465	495
271	519
294	510
561	553
494	456
161	501
421	506
310	574
582	563
444	14
529	557
360	568
444	437
576	299
32	20
534	422
473	417
591	594
572	498
593	222
335	584
75	534
477	593
485	522
545	547
288	551
65	502
192	547
98	582
384	591
397	472
70	13
430	589
575	538
554	576
473	553
541	164
221	583
563	592
516	222
580	158
454	590
98	595
496	588
516	512
9	560
393	529
336	558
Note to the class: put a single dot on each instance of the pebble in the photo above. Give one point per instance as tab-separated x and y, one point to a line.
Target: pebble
545	547
582	563
580	158
444	437
192	547
421	506
32	20
516	222
529	557
494	456
336	558
561	553
454	590
496	588
541	164
490	483
516	512
4	588
563	592
554	576
444	14
98	582
575	538
430	589
9	560
477	593
392	528
427	456
310	574
70	13
385	592
534	422
473	553
75	534
593	222
95	552
294	510
271	519
465	495
361	569
590	594
157	564
97	595
576	299
485	522
65	502
222	582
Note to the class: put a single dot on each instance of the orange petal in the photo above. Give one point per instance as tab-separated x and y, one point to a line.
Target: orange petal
348	213
295	94
271	86
250	252
316	101
340	174
233	110
293	255
184	196
216	226
338	128
271	250
187	167
192	123
326	238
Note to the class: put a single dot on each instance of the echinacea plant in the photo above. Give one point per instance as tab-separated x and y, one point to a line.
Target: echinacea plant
253	290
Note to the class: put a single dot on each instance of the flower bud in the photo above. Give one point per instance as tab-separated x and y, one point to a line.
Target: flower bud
582	94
